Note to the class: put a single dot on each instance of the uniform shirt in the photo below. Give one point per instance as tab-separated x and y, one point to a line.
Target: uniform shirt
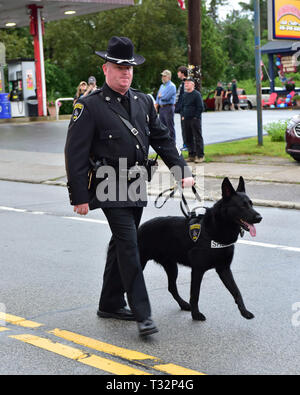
192	104
124	100
168	94
97	131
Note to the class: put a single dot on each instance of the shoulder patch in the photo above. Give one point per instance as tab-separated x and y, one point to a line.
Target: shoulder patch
77	111
194	231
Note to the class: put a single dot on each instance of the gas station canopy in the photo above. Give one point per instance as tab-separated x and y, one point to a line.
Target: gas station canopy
33	13
16	11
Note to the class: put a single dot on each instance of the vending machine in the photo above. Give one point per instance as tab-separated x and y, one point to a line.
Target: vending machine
22	87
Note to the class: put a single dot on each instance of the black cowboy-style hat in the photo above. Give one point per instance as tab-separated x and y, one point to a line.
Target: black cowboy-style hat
120	50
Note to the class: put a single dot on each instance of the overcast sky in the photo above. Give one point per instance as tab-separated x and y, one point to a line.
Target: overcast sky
232	4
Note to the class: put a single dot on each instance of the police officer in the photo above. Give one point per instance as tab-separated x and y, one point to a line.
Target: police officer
97	134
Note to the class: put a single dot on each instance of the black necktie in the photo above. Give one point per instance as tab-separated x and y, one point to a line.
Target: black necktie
126	104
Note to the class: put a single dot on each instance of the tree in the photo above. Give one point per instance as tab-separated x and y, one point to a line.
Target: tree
214	56
263	12
238	42
157	29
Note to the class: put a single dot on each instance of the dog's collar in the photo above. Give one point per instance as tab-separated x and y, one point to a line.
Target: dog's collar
215	244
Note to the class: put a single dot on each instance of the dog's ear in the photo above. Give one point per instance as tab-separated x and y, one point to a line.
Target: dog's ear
241	186
227	189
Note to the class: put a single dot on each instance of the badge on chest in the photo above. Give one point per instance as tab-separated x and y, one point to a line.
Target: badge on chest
194	231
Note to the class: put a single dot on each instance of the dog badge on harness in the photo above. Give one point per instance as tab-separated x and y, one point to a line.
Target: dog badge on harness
195	230
78	109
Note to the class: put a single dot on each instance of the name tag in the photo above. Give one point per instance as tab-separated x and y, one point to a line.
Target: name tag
214	244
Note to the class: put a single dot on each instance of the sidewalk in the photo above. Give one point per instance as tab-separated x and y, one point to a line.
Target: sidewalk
273	182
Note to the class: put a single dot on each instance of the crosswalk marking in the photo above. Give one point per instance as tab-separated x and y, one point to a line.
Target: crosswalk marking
79	356
15	320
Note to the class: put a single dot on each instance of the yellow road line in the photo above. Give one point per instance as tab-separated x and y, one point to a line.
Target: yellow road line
79	356
175	369
3	329
15	320
101	346
123	353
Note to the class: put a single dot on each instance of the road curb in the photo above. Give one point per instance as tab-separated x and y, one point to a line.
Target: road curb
189	195
256	202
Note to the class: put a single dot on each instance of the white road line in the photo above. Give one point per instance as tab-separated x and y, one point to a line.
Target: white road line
97	221
268	245
103	222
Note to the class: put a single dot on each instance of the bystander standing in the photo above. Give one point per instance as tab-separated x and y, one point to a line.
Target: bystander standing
92	85
182	74
81	89
192	114
235	97
219	93
165	102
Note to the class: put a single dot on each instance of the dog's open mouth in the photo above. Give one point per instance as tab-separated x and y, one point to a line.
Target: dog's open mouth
248	227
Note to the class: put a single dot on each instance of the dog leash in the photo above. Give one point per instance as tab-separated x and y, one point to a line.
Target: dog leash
183	203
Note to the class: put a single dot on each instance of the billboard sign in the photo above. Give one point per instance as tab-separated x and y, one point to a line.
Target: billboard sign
284	19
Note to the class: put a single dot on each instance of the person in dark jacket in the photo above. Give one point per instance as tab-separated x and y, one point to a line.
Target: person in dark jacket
182	74
235	97
98	134
192	114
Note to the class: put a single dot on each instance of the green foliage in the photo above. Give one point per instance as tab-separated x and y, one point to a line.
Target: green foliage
159	31
238	43
276	130
214	55
246	147
18	43
249	86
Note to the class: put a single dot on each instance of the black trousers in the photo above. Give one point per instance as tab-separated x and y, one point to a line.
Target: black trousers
123	271
194	139
166	116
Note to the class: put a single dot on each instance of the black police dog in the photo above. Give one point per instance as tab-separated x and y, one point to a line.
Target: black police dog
202	243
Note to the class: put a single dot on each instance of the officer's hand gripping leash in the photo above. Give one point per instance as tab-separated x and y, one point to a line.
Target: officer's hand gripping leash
183	203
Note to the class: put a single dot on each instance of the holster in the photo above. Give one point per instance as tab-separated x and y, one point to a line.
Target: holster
95	164
151	167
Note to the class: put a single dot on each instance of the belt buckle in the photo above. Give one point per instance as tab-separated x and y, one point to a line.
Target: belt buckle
134	131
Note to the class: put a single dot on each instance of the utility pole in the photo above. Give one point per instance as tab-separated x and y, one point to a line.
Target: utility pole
194	40
258	71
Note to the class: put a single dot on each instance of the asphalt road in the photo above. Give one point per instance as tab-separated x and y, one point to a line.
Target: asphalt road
52	265
216	127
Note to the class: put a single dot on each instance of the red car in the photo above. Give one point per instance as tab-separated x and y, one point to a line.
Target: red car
292	138
209	102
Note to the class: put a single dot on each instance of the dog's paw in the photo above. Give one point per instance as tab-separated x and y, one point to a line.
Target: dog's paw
247	314
198	316
185	306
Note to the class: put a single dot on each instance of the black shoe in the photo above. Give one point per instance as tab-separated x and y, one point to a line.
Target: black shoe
120	314
146	327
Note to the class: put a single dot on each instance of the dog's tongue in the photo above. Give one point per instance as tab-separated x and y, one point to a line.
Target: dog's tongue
252	230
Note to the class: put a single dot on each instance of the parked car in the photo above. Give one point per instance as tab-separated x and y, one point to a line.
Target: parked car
265	95
292	138
209	102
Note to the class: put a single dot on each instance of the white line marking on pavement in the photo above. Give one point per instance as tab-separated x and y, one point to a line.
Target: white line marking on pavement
269	245
97	221
103	222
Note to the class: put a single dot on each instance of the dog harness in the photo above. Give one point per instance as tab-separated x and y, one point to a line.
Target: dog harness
195	221
195	226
